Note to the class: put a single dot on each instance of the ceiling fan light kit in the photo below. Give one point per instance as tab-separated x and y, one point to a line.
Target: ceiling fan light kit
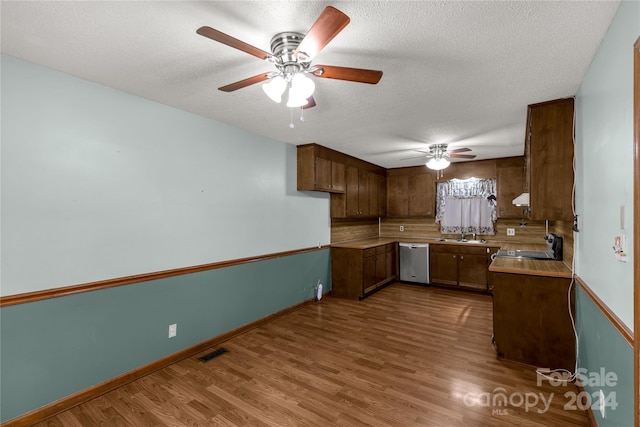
274	88
291	53
438	156
438	153
301	87
438	163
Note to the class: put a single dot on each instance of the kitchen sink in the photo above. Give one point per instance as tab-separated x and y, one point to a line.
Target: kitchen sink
462	240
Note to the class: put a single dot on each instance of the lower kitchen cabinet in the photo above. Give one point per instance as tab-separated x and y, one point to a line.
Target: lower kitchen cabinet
531	321
355	272
460	266
443	266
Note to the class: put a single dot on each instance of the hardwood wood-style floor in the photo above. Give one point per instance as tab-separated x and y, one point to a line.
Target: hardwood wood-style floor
405	356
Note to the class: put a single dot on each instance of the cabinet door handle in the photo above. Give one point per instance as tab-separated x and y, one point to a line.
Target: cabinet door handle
455	256
461	256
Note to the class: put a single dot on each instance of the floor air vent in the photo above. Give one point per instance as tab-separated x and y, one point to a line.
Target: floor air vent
213	354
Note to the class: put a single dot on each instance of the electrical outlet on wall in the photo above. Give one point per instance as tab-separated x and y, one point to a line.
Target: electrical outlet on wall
173	330
511	231
402	228
601	401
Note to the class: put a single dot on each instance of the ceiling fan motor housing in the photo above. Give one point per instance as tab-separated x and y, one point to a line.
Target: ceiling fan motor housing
438	150
283	45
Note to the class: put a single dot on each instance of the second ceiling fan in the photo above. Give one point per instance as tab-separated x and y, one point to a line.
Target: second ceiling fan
292	53
438	155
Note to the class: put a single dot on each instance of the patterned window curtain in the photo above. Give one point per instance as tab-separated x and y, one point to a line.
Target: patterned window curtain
466	206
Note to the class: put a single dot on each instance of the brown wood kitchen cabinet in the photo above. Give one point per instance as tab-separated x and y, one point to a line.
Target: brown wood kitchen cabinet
363	197
357	192
377	195
531	322
397	195
358	189
317	172
550	149
460	266
410	192
355	272
510	183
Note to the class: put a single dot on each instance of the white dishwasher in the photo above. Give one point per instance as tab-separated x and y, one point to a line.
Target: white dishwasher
414	262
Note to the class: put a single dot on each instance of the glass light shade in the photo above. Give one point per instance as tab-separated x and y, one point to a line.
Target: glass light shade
438	164
295	101
301	86
274	88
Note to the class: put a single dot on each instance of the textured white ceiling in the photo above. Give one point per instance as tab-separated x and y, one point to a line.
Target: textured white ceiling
454	72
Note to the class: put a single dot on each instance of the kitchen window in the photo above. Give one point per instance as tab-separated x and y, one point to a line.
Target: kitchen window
466	206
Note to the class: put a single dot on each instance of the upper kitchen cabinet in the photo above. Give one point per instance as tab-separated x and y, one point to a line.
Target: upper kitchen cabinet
397	195
357	192
364	196
410	192
549	149
510	183
377	194
318	171
358	188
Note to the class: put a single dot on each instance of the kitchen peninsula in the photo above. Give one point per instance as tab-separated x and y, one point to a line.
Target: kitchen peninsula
533	309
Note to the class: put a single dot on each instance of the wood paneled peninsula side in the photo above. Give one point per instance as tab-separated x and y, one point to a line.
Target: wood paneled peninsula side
532	301
361	267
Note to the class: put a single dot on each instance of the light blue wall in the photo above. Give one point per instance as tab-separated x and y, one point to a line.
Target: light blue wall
98	184
604	166
604	183
53	348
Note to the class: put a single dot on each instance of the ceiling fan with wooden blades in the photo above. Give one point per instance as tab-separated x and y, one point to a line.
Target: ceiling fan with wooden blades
291	54
441	151
438	156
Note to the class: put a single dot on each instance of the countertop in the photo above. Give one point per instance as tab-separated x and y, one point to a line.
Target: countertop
365	243
377	241
499	265
529	266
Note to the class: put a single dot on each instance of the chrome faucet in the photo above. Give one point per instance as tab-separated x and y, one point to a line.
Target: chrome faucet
474	236
462	236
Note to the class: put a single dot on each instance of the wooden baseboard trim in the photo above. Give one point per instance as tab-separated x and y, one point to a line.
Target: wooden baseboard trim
120	281
626	333
68	402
